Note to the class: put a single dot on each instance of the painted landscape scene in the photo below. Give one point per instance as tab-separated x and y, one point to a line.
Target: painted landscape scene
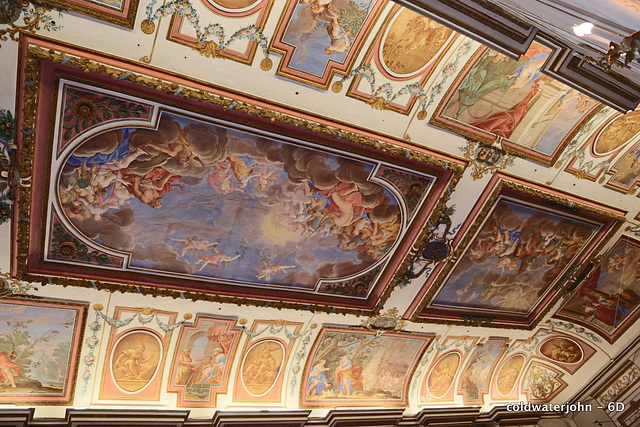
37	348
350	366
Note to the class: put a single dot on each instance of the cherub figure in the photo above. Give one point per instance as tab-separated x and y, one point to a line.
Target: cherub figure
269	270
193	245
215	259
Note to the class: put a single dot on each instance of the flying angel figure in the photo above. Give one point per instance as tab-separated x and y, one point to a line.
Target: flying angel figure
192	245
269	270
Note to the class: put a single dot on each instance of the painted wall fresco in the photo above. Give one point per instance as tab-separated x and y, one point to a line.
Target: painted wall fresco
407	47
474	379
440	379
207	201
262	366
411	41
498	97
620	130
135	358
261	371
506	378
119	12
243	13
514	247
319	38
568	353
518	253
357	368
438	385
225	207
39	348
542	383
202	363
608	300
626	171
593	158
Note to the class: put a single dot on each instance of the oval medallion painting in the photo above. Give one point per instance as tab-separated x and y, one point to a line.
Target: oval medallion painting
617	133
214	203
135	360
261	366
441	376
412	42
234	5
562	350
508	374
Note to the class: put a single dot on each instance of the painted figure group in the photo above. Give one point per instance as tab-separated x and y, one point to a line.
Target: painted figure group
208	369
347	378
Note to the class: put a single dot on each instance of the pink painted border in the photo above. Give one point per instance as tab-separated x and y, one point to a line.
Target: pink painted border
513	394
108	388
74	353
587	352
261	9
489	378
240	393
333	403
558	377
214	391
36	266
606	226
448	396
590	144
332	67
488	137
626	324
124	17
614	170
374	57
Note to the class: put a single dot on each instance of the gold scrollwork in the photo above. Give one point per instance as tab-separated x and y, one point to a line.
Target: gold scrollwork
485	159
390	320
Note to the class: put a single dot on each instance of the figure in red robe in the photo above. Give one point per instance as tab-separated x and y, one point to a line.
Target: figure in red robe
6	366
150	188
503	123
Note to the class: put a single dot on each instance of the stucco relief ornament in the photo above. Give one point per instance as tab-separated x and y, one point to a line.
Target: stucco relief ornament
11	285
9	175
432	247
10	11
34	18
382	96
541	383
144	316
485	159
390	320
634	229
212	41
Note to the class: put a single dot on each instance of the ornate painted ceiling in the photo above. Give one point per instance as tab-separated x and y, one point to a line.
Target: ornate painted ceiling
312	205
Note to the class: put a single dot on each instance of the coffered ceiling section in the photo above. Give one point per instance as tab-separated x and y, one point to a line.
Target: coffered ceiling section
202	193
345	157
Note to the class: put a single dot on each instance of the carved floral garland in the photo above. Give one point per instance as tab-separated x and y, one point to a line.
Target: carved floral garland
578	154
576	329
212	37
95	326
415	89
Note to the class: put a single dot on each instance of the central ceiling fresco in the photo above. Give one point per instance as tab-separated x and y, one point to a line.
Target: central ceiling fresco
475	220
